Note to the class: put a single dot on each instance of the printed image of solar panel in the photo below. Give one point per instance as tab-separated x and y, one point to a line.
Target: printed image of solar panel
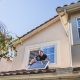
38	65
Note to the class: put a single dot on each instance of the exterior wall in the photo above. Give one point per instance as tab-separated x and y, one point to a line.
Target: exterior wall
76	39
76	56
54	33
5	65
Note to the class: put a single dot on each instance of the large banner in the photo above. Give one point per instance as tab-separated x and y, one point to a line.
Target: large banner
48	50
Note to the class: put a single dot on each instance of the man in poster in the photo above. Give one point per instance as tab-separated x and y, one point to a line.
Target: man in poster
41	57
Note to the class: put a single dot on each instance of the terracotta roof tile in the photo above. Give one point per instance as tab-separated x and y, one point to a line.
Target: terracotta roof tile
25	72
40	71
67	5
78	1
72	3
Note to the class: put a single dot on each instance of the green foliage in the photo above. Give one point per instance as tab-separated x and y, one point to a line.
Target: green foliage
7	49
6	44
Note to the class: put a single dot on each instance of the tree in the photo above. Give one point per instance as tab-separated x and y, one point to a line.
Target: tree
5	42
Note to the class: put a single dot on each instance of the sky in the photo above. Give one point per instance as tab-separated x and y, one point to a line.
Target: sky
21	16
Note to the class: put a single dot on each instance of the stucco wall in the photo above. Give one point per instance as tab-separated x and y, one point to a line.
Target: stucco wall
76	40
76	55
55	33
5	65
74	16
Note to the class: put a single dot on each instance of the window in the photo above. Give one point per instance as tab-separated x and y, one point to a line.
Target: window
48	50
78	26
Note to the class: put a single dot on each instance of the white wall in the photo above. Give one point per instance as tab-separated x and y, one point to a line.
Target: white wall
53	33
5	65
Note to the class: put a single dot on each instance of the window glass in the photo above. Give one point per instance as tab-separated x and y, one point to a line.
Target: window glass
78	26
50	52
78	21
79	32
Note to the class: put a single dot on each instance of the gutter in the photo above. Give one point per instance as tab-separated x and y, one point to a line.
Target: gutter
69	8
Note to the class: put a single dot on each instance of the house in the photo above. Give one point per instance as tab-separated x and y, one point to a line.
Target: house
59	38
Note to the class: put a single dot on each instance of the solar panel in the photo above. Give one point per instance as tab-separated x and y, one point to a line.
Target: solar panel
38	65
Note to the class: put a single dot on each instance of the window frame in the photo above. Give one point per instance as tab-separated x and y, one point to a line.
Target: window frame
55	52
78	27
44	44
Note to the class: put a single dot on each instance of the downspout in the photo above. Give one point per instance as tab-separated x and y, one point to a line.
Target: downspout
70	41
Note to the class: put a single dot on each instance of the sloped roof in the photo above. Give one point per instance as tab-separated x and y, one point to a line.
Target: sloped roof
58	9
55	18
39	71
22	72
39	26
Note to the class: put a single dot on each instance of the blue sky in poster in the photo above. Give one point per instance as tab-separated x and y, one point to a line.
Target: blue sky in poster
20	16
50	52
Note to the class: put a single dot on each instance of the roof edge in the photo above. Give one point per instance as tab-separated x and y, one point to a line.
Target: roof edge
28	34
39	26
68	7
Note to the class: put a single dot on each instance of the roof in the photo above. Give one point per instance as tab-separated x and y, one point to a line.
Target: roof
69	7
58	9
37	28
40	71
26	72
